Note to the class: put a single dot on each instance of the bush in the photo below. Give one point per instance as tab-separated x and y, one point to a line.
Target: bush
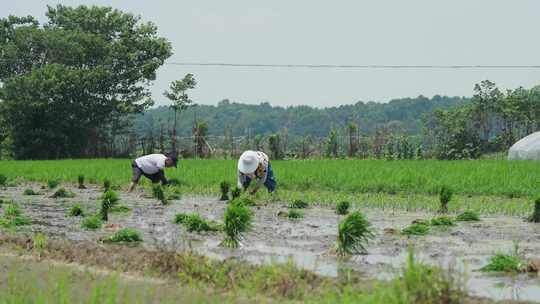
237	220
354	233
92	222
295	214
63	193
443	221
535	217
80	181
30	192
342	208
126	235
445	195
224	187
468	216
52	183
76	210
416	229
298	204
3	180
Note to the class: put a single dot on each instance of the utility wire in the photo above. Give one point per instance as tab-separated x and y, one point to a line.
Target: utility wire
350	66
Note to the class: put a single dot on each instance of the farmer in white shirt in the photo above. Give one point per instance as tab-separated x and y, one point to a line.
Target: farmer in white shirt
152	167
255	165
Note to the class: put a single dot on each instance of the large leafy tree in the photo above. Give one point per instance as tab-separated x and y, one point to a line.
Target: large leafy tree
68	83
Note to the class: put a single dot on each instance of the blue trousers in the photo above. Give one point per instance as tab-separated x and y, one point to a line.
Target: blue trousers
270	182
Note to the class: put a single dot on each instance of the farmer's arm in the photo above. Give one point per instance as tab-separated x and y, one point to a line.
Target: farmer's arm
240	183
162	177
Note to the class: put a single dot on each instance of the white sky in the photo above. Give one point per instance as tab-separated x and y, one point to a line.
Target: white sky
413	32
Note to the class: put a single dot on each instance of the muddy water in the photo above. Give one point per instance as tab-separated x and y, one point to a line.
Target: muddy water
308	242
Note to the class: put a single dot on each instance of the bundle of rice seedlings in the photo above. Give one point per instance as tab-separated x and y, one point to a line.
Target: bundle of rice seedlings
416	229
106	185
174	182
298	204
443	221
76	210
158	193
342	207
92	222
445	195
244	200
80	180
237	220
295	214
354	233
504	263
224	187
3	180
30	192
236	192
195	223
468	216
52	183
108	200
535	217
63	193
126	235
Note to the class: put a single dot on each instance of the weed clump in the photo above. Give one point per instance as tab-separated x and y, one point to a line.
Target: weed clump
52	183
504	263
443	221
92	222
157	192
535	217
445	195
126	235
63	193
237	220
3	180
354	233
80	181
224	187
30	191
295	214
416	229
109	199
342	208
236	192
194	223
468	216
76	210
298	204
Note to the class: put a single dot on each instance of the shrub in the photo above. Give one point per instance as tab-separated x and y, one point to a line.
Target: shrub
80	181
236	192
224	187
354	233
126	235
298	204
468	216
3	180
504	262
92	222
443	221
52	183
416	229
342	207
30	192
76	210
535	217
63	193
294	214
194	223
445	195
237	220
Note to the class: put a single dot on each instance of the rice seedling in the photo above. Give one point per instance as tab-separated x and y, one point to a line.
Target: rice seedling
224	187
445	195
174	182
236	192
106	185
63	193
501	262
76	210
108	200
354	233
237	220
125	235
535	217
92	222
244	200
298	204
295	214
30	191
3	180
80	181
172	193
443	221
342	208
194	223
416	229
13	216
53	183
468	216
157	192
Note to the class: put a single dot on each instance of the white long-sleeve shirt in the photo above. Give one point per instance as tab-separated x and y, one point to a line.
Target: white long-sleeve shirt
260	173
151	163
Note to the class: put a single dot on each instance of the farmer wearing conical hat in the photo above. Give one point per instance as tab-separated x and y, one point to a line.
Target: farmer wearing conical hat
152	167
255	165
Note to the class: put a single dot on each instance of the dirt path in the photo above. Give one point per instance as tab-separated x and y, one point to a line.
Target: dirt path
308	241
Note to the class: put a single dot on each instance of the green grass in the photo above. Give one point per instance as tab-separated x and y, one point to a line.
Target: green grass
194	222
468	216
443	221
416	229
354	233
126	235
504	263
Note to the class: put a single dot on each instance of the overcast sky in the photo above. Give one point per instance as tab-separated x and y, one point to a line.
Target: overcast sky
413	32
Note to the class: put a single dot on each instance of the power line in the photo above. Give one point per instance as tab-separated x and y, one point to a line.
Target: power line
350	66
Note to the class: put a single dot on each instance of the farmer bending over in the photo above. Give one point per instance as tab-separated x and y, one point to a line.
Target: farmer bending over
255	165
152	167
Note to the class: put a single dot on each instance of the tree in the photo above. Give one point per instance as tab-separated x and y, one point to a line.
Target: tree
352	129
200	134
180	101
274	143
332	144
68	83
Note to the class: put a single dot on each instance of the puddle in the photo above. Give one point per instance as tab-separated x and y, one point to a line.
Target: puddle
308	241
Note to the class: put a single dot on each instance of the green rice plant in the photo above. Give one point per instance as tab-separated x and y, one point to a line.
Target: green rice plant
354	233
295	214
443	221
194	222
236	192
174	182
445	195
92	222
172	193
106	185
109	200
13	216
237	220
468	216
298	204
80	181
180	218
224	187
63	193
126	235
3	180
342	208
53	183
30	191
535	216
119	209
244	200
76	210
504	263
158	193
416	229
